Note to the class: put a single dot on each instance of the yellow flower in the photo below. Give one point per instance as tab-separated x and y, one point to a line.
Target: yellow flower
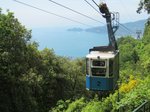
126	87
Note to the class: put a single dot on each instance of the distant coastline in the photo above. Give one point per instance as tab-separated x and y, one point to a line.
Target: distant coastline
75	29
132	26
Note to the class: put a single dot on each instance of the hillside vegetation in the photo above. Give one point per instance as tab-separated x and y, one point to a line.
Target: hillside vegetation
40	81
134	87
33	80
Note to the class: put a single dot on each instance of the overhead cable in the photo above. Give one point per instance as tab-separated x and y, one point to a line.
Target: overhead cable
92	6
129	30
95	3
52	13
75	11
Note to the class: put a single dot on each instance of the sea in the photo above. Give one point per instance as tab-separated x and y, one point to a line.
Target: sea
73	44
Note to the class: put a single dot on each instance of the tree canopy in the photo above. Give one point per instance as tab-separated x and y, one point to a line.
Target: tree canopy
33	80
144	4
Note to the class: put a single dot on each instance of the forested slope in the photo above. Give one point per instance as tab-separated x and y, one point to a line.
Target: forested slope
33	80
40	81
134	87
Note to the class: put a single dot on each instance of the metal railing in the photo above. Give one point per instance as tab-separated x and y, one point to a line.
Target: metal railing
144	107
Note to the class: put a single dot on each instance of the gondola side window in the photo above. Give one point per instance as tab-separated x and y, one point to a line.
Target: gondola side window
98	68
98	63
98	71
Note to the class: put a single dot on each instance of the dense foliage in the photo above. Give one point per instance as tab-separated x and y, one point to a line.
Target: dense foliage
33	80
130	96
134	80
144	4
40	81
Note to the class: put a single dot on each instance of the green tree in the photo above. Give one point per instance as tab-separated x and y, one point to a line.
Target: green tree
144	4
15	94
146	37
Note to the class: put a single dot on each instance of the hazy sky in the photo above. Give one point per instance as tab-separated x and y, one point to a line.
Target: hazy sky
33	18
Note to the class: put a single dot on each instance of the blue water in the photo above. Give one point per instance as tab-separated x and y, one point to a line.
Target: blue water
68	43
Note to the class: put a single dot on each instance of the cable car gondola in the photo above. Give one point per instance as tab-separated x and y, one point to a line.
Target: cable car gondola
102	62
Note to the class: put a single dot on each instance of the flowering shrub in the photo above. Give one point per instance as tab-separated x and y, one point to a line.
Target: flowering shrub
127	87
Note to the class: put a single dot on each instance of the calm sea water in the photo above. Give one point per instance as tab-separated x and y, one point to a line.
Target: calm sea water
68	43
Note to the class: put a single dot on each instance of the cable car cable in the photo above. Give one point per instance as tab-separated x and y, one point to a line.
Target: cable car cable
101	14
95	3
129	15
75	11
125	8
129	30
92	6
52	13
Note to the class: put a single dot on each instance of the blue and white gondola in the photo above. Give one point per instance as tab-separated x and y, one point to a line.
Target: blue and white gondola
102	70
